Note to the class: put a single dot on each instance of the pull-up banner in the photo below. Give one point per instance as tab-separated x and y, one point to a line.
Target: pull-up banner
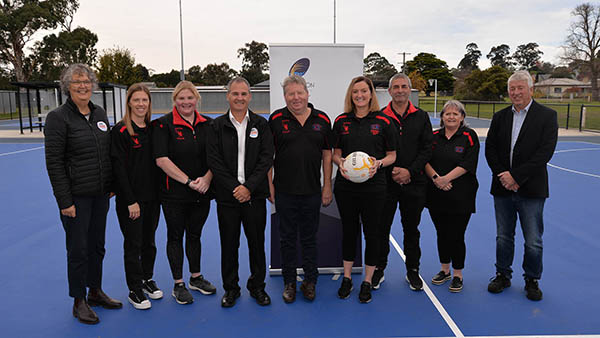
328	70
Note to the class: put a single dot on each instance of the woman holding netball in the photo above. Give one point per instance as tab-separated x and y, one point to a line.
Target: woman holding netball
362	127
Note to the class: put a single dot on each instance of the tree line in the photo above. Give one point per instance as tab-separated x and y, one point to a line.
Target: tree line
21	19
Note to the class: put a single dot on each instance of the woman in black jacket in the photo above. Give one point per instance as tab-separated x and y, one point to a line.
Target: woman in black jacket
179	146
77	144
136	187
452	189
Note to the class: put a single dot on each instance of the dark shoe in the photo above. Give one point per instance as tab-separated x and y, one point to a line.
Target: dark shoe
456	285
202	285
345	288
181	294
498	283
229	298
139	300
149	287
289	293
365	292
262	298
308	290
441	278
97	297
83	312
414	280
533	290
377	278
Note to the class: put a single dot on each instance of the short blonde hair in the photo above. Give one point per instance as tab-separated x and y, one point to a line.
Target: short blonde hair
183	85
373	103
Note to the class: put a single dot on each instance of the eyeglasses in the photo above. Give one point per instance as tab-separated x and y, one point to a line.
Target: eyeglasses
86	83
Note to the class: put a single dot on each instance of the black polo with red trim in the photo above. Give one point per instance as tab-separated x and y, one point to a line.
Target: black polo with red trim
373	134
461	150
185	145
299	150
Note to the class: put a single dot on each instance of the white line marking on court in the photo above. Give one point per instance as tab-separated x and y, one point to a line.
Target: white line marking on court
573	171
572	150
531	336
21	151
431	296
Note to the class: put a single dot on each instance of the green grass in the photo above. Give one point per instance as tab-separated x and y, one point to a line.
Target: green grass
486	110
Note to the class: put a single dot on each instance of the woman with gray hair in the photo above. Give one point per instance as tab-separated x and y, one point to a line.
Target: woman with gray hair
77	144
451	191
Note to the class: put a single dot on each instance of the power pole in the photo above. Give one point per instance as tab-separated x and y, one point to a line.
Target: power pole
334	17
403	59
182	73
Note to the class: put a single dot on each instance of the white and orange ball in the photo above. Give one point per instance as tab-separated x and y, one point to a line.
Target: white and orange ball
357	165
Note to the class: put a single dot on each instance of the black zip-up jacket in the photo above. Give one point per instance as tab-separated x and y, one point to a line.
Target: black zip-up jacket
134	168
223	157
414	146
77	153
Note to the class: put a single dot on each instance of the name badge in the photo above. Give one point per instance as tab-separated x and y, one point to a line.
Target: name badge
253	133
102	126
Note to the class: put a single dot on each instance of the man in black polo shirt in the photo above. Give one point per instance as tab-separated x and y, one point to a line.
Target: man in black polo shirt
302	136
240	153
406	180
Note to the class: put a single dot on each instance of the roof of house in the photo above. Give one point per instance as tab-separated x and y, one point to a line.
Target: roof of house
561	82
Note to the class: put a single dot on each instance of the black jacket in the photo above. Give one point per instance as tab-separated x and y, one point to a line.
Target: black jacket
222	150
414	146
533	150
134	169
77	153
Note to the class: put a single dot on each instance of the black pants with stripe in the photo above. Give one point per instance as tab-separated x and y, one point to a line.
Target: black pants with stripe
184	218
253	216
139	247
85	234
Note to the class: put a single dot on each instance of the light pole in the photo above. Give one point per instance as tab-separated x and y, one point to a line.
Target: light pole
182	73
433	82
334	18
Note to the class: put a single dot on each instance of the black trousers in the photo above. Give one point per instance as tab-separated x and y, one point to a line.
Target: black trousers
298	216
139	247
85	235
253	216
450	230
355	207
411	204
184	218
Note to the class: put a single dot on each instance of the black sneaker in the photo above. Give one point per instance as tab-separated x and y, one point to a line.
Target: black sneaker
202	285
498	283
441	278
365	292
181	294
456	285
414	280
345	288
139	300
377	278
149	287
262	298
533	290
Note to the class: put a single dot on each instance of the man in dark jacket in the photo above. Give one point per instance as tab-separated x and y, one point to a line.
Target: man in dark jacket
240	154
519	144
406	180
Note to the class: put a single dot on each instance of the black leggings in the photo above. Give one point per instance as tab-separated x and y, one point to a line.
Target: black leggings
451	237
355	207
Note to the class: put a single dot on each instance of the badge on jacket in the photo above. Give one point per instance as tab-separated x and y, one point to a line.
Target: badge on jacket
253	133
102	126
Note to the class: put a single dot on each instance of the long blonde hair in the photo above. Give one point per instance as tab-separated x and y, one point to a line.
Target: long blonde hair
136	87
373	103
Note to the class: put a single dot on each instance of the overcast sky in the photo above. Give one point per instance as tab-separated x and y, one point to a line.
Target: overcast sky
214	30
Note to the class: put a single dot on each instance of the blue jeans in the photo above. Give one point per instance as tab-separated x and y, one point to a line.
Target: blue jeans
530	212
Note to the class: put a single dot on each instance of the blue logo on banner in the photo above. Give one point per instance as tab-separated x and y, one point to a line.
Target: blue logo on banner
300	67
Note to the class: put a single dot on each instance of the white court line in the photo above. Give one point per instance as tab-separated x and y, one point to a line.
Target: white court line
432	297
531	336
21	151
571	170
572	150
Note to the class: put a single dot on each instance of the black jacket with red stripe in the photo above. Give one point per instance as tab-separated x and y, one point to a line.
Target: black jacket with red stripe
414	146
185	145
134	168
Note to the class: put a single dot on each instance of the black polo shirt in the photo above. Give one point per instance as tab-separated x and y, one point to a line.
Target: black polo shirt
299	150
373	134
461	150
185	145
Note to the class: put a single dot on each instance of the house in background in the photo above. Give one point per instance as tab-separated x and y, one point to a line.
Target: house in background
562	88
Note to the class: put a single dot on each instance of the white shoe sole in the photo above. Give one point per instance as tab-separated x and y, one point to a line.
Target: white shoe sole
156	295
144	305
376	287
180	302
191	287
411	286
434	282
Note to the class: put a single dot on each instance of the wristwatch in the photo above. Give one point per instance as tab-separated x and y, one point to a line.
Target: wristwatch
434	177
189	180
